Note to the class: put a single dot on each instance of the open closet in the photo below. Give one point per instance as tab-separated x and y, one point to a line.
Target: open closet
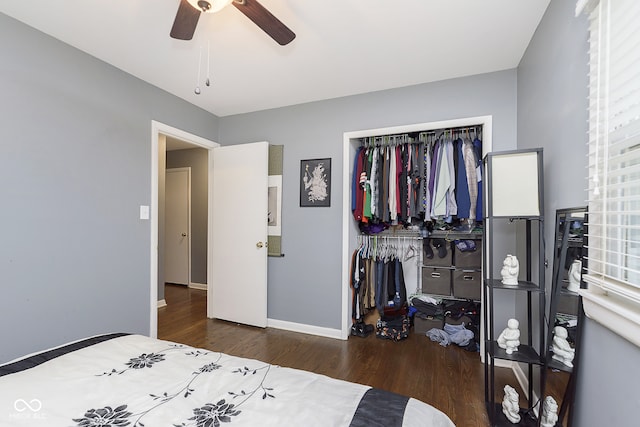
413	203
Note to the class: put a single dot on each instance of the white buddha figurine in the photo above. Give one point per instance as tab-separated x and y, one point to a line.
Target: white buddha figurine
562	350
549	412
509	338
510	404
575	272
510	269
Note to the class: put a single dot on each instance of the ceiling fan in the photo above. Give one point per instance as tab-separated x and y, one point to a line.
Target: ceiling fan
189	12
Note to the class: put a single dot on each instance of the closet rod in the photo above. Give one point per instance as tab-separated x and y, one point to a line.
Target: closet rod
386	237
460	129
407	136
396	234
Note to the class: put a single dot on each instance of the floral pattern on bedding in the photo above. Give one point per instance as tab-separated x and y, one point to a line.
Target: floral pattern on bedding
208	415
122	380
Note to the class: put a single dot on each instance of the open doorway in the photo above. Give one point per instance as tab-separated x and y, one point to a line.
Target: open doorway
186	148
182	243
176	232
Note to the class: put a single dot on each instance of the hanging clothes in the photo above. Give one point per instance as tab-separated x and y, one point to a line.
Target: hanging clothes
385	185
377	274
426	191
400	174
452	206
393	214
462	184
443	182
373	181
417	180
357	188
434	177
366	209
477	147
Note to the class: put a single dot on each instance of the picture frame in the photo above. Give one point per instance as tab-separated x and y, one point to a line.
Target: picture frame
315	183
274	200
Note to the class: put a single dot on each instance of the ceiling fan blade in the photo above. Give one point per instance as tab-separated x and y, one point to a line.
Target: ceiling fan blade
265	20
186	21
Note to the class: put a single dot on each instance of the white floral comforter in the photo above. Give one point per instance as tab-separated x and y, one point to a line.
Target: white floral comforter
136	381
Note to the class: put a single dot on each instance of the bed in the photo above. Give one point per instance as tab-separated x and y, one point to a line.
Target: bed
122	380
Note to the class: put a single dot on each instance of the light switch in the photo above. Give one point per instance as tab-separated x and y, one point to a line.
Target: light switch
144	212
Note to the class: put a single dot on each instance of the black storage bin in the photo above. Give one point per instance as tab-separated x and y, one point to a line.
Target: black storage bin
436	281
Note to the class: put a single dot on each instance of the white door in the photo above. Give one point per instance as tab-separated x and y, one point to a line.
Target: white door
238	276
177	228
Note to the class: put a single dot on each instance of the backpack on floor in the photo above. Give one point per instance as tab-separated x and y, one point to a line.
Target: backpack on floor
393	328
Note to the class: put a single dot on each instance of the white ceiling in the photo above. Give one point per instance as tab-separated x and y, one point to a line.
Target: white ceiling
342	47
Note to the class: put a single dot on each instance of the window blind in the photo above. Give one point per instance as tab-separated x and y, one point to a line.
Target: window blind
613	267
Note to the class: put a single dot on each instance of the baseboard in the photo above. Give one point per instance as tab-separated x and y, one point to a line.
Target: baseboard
515	367
201	286
162	303
305	329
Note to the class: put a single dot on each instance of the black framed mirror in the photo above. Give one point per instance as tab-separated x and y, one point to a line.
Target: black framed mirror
565	310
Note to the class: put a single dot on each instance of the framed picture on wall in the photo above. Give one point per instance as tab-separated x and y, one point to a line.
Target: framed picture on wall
315	182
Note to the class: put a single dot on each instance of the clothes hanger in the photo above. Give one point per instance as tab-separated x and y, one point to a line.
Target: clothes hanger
411	250
365	250
403	249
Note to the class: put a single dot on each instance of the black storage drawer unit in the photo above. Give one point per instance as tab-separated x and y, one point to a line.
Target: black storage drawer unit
436	281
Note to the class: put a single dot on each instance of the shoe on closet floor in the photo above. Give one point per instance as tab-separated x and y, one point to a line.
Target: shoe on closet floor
361	329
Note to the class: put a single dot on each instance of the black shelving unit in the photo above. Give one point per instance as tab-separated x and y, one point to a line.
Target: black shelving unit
532	348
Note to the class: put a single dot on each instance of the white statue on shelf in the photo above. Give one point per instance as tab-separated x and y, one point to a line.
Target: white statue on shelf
510	269
575	272
549	412
509	338
562	350
511	404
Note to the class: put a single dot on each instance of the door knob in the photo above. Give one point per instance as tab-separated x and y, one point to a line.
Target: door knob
184	234
259	245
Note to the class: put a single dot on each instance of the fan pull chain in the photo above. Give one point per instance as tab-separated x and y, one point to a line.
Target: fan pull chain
207	82
197	89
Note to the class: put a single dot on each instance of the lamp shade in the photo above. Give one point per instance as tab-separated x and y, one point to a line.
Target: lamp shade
514	183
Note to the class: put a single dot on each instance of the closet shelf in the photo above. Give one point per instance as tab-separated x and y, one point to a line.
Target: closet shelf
455	235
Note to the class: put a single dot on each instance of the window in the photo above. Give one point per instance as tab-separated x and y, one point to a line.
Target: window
613	260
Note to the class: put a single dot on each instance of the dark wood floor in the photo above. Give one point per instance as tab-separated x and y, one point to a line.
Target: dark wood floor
449	378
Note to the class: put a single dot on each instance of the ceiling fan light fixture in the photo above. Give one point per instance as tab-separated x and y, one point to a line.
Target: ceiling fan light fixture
209	6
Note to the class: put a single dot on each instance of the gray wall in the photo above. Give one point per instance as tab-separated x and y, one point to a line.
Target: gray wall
305	286
75	167
197	159
552	113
